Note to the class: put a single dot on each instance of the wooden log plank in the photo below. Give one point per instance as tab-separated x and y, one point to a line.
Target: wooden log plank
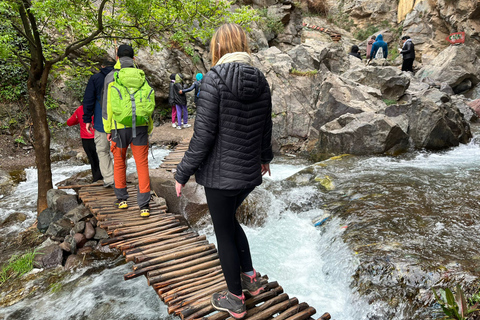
203	293
141	233
188	264
292	311
187	250
175	264
325	316
188	291
196	282
305	314
164	247
183	279
167	242
150	258
147	239
120	225
74	186
153	239
179	273
136	229
274	308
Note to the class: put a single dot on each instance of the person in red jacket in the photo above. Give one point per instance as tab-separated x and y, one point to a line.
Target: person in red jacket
88	142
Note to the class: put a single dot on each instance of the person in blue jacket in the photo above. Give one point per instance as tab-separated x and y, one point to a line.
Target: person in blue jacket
196	85
92	106
379	43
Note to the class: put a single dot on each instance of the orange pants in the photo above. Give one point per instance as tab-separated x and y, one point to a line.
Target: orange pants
139	146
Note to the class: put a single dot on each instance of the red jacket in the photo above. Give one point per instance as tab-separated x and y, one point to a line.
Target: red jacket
77	118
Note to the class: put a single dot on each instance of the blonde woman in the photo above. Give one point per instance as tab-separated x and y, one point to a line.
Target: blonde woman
229	152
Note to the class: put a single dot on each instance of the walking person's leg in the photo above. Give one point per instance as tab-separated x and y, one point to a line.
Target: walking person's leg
121	140
179	116
233	248
90	150
185	116
102	146
140	153
409	65
174	115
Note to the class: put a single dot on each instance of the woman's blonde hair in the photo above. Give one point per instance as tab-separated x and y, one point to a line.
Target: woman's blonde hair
229	38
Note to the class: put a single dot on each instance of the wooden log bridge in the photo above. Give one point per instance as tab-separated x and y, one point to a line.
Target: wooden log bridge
173	159
181	266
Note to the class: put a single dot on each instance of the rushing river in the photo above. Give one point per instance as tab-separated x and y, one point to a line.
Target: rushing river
397	227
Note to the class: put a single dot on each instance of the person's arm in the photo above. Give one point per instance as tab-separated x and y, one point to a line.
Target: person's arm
385	52
407	48
171	100
372	52
189	88
204	134
89	100
267	153
73	120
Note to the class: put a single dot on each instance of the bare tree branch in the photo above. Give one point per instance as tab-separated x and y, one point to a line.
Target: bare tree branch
80	43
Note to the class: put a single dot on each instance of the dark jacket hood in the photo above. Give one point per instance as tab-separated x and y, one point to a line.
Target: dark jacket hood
244	81
106	70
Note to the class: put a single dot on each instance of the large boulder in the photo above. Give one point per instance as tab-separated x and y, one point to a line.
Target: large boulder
391	82
6	183
363	133
436	125
79	213
458	66
48	257
14	218
60	201
192	205
60	228
46	217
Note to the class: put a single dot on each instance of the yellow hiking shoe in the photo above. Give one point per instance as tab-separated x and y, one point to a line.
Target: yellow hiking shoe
145	213
121	204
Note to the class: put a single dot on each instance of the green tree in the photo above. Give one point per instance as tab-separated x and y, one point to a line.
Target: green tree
54	29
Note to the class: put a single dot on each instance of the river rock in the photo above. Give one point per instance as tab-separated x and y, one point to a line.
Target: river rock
65	246
78	213
93	221
89	230
80	239
60	228
363	133
463	106
48	257
458	66
79	227
475	105
14	218
391	82
6	183
90	243
60	201
85	250
100	234
436	126
73	261
46	217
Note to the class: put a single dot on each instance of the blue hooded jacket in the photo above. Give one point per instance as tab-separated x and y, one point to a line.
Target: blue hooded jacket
379	43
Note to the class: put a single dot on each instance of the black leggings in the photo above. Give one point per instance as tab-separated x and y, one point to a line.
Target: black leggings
233	248
91	151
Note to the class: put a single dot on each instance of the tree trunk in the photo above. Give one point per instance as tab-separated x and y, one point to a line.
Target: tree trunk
41	134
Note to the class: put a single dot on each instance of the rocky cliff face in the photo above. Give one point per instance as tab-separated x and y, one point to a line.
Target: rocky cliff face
327	102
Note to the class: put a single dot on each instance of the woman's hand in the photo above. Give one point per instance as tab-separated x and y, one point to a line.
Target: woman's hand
265	169
178	188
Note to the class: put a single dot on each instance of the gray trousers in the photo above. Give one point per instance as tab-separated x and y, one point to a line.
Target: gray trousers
103	151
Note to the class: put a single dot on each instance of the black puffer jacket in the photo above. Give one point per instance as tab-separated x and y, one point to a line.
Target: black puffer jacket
408	50
233	129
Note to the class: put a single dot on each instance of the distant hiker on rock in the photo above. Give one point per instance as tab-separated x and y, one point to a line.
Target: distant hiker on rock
196	85
128	122
408	53
171	101
369	45
180	100
88	142
379	49
92	108
354	51
230	151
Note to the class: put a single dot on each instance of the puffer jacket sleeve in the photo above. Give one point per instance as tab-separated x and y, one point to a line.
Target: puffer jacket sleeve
205	131
267	154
